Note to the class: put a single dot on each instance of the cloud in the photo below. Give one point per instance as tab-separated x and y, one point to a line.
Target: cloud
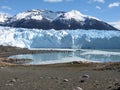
115	24
101	1
98	7
53	1
115	4
6	7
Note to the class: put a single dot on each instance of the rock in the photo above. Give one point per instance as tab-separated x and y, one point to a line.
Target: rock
118	70
1	67
109	87
12	81
76	62
9	84
118	88
117	84
65	80
85	76
41	77
78	88
82	81
54	78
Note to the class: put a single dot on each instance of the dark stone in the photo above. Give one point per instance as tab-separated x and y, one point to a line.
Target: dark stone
82	81
65	80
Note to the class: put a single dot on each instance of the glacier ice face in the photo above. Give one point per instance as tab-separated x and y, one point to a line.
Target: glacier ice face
37	38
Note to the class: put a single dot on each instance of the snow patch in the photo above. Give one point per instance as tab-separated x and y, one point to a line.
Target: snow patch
37	17
50	15
36	14
3	17
74	14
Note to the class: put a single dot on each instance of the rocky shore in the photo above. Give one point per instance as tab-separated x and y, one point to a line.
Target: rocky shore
65	76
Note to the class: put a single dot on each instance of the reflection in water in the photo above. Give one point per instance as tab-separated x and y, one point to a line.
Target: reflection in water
78	55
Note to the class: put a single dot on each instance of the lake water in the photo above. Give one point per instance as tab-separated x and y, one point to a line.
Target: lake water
112	55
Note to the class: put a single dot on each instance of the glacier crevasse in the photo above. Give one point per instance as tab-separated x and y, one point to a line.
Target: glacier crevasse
37	38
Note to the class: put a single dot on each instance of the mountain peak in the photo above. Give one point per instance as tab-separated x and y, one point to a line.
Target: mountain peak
46	19
74	14
3	17
33	10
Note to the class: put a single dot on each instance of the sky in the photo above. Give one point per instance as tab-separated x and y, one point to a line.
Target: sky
105	10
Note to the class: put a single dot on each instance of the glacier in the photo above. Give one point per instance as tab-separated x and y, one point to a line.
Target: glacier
74	39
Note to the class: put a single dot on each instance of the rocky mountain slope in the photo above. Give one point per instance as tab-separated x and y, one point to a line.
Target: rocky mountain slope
46	19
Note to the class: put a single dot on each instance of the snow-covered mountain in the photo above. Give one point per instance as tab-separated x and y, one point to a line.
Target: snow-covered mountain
38	38
4	17
36	15
45	19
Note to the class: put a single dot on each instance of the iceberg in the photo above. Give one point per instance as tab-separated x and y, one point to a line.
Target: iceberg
73	39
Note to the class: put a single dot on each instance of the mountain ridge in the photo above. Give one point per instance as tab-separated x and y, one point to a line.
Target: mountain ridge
46	19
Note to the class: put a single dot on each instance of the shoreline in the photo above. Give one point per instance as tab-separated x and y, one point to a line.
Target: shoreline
6	51
74	75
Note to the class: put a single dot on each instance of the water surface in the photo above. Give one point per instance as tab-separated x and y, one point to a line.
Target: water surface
105	55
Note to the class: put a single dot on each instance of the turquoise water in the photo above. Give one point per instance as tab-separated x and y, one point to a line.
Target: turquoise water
73	55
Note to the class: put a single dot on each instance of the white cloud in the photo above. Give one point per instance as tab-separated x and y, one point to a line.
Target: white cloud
101	1
98	7
53	1
6	7
115	4
115	24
